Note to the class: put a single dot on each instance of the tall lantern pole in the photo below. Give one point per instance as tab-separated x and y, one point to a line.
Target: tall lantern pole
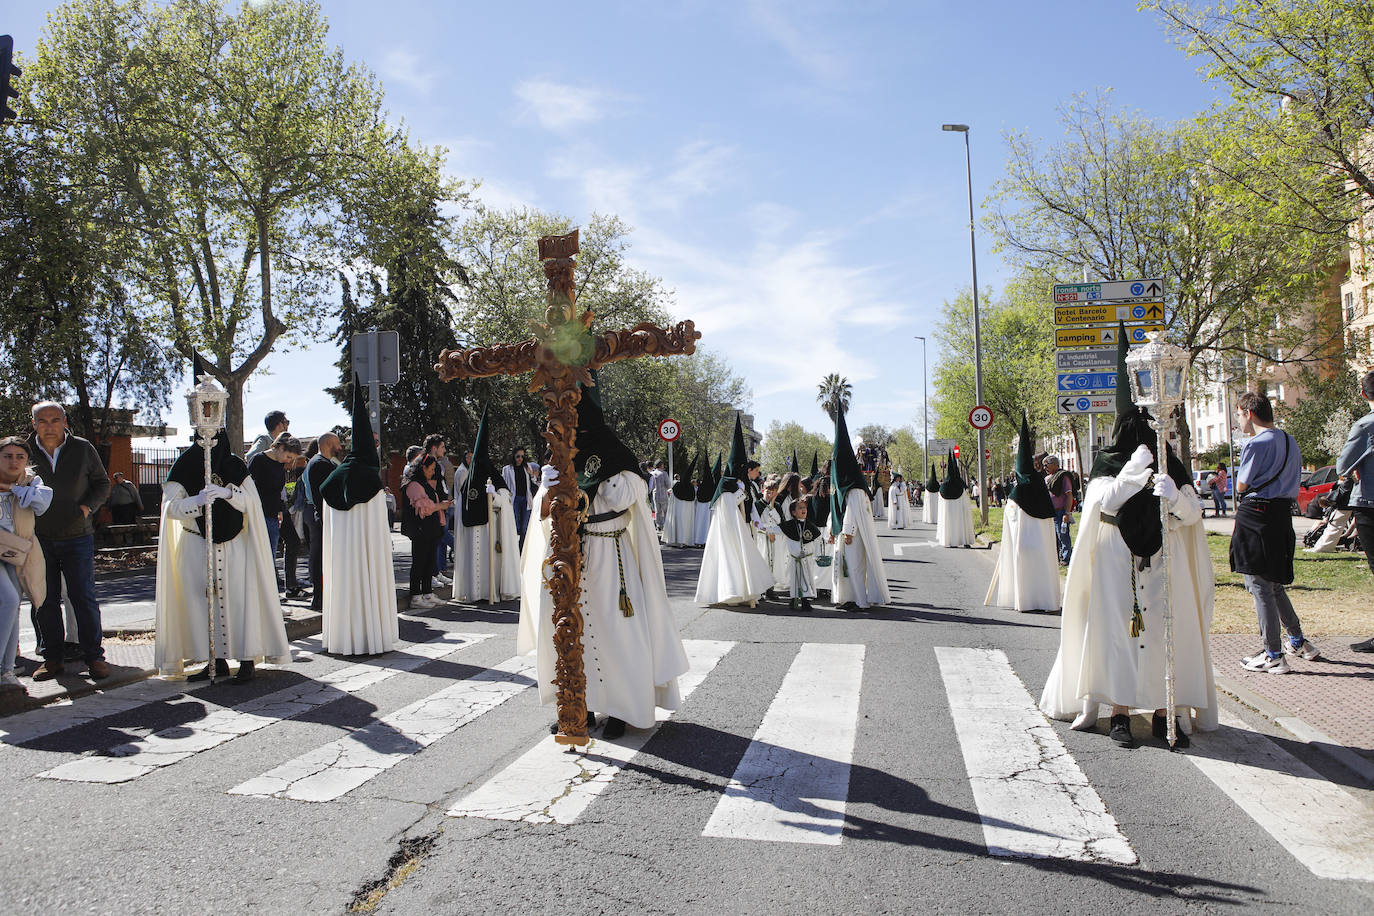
205	403
1158	375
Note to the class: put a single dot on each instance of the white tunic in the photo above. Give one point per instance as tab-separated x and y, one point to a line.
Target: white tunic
857	569
473	561
797	578
1099	662
899	512
701	524
1026	577
248	618
732	569
632	663
954	521
359	580
929	507
679	529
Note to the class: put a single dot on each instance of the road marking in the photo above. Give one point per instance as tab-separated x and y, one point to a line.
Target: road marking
65	714
901	549
792	784
221	724
337	768
551	784
1325	828
1032	798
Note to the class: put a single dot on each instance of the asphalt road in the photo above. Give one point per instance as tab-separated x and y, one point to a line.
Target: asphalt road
731	806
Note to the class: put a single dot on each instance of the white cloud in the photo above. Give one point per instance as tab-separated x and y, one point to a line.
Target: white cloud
785	26
404	67
558	106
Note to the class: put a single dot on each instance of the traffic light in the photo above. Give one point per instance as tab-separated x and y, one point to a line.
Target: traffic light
8	73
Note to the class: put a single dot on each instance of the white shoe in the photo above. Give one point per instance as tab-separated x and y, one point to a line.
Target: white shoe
422	601
1262	662
1304	650
442	579
9	679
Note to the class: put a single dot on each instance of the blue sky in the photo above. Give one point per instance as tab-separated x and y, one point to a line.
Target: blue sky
782	164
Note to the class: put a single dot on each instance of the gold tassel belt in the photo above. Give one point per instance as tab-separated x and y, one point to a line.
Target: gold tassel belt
626	608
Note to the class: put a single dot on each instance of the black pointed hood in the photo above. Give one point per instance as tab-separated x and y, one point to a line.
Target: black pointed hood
706	484
815	468
600	453
683	488
474	511
933	482
735	467
225	468
844	473
358	477
1124	404
792	464
1030	492
953	487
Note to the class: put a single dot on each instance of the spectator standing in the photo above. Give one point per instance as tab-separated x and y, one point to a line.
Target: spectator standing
423	520
1060	485
276	424
1219	481
1263	542
1357	457
659	484
71	466
436	448
316	470
125	503
268	470
522	480
22	497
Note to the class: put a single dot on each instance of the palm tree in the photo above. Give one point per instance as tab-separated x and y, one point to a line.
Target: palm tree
834	393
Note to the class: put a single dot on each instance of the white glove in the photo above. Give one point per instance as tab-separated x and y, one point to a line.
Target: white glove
548	476
1166	489
491	488
215	491
197	501
1140	460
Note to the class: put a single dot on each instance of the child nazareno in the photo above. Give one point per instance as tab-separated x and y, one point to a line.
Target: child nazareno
802	539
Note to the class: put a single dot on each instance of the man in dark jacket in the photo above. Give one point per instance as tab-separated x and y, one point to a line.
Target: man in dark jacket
318	468
80	486
1357	458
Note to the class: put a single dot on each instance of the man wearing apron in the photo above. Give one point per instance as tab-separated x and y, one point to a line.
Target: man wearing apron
1263	542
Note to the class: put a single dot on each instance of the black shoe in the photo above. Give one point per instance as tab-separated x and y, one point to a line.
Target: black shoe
221	670
245	672
295	591
806	605
1159	727
615	728
1366	646
1121	731
316	606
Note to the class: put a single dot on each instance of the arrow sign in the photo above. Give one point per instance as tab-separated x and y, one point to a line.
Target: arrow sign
1101	337
1109	290
1087	381
1107	314
1087	403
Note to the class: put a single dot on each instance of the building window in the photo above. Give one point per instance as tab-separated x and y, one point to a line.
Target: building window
1349	307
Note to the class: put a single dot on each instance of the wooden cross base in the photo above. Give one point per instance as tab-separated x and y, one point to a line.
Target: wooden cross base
562	355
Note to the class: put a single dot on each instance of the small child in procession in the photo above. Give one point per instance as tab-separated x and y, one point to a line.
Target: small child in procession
802	540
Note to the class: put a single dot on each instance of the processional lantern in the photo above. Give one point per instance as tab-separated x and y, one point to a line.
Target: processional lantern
206	403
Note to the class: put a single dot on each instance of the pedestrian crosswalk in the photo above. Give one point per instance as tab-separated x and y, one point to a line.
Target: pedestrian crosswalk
787	779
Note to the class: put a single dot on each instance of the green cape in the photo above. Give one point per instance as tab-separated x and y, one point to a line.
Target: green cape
844	473
1030	492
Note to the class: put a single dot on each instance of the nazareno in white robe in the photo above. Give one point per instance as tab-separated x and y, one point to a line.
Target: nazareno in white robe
797	579
733	571
1026	577
248	618
360	581
679	528
1099	662
857	570
930	507
954	521
899	511
701	524
477	550
632	663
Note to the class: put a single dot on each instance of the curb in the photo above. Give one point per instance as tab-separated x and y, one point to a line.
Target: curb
1314	738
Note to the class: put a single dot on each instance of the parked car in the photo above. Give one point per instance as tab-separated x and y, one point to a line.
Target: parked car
1319	481
1201	482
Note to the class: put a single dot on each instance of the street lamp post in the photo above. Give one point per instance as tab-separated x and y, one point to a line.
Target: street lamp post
977	327
925	405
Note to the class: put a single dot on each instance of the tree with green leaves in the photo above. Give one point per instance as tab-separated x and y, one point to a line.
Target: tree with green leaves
1328	401
237	153
783	440
834	394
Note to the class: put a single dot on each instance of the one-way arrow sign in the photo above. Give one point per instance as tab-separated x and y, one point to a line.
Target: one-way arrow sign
1087	403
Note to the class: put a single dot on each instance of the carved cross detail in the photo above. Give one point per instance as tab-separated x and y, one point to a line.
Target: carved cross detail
562	354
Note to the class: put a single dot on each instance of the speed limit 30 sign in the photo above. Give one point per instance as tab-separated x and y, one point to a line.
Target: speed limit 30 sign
980	417
669	430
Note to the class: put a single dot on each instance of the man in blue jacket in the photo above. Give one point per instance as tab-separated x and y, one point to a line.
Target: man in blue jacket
1358	456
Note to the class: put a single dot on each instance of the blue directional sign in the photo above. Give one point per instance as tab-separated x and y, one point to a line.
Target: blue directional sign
1087	381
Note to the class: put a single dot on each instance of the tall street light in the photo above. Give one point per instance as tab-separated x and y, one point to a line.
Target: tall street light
977	329
925	406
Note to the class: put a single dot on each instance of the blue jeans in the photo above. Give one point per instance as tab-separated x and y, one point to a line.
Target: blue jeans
441	552
10	596
522	516
1275	613
273	536
1062	520
1219	501
72	560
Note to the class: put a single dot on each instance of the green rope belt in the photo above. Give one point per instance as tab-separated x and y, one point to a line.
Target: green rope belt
626	607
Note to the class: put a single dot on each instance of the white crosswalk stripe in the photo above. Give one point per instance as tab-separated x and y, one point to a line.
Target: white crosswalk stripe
792	784
337	768
1032	797
553	784
138	758
1325	828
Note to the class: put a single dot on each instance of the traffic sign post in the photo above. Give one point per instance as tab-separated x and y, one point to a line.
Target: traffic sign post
1108	290
1103	336
980	417
1086	359
1087	403
1087	381
669	430
1108	314
940	447
376	361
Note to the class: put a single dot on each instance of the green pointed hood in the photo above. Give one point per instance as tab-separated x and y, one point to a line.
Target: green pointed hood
953	487
475	486
844	473
736	465
683	488
358	477
1124	404
1030	492
933	482
600	453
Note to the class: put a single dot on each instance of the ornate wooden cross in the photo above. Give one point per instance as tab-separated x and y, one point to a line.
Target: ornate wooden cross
562	354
